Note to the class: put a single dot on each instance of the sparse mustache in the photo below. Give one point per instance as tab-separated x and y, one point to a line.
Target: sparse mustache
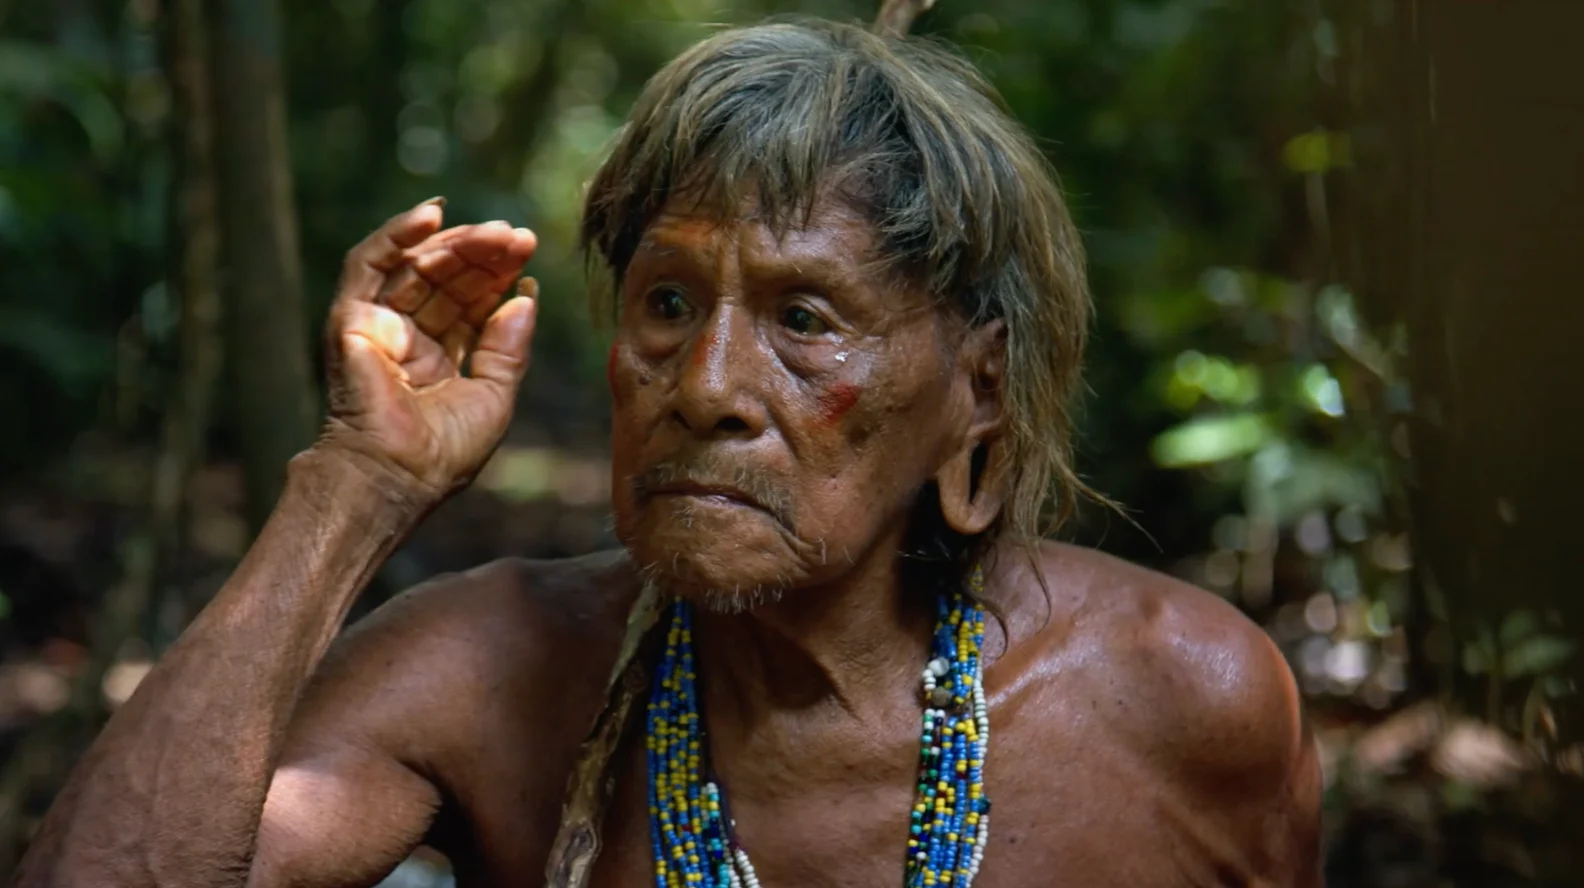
714	471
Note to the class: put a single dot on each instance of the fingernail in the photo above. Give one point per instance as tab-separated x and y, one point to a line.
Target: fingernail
528	287
498	223
434	202
523	232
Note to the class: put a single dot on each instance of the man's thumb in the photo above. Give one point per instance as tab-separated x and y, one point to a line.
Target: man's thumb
501	355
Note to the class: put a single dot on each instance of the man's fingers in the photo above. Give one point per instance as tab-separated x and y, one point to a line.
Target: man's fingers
502	353
456	342
486	250
476	284
367	263
477	313
390	332
405	290
468	263
411	356
443	254
437	315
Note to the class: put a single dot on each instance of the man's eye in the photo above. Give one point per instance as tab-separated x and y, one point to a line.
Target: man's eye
800	320
667	303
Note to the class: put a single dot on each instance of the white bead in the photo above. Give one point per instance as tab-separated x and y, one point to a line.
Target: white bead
938	667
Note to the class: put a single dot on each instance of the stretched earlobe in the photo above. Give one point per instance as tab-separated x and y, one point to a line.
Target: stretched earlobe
971	494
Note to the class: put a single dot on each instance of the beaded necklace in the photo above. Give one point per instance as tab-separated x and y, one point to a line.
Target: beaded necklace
689	824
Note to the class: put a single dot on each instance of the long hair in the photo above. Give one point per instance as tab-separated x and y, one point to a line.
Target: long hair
962	200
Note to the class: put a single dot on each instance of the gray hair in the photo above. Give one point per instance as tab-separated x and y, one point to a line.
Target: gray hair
962	200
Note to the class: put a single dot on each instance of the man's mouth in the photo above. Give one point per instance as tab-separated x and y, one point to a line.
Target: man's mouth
708	493
713	482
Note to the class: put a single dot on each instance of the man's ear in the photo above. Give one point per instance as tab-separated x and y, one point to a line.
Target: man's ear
971	481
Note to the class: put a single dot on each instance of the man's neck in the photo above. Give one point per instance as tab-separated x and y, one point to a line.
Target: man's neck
855	647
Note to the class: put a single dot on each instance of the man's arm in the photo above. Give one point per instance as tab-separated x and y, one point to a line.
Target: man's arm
1230	727
376	736
173	790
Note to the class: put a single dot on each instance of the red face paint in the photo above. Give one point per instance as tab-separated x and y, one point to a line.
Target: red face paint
700	352
836	401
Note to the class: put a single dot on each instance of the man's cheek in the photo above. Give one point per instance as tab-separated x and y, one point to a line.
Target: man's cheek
836	400
627	375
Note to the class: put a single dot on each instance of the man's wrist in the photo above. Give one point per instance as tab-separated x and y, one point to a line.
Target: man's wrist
342	481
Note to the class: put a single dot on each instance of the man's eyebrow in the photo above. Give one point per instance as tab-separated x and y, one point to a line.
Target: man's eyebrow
650	245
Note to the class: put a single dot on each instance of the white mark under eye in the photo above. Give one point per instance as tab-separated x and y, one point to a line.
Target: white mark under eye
841	357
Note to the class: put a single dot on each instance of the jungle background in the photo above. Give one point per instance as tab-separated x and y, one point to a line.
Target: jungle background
1335	254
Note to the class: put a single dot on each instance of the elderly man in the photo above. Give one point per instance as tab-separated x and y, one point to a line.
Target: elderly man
849	310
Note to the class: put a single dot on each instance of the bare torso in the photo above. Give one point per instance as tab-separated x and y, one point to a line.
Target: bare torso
784	414
1143	733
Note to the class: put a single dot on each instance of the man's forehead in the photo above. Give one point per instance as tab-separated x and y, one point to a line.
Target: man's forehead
831	233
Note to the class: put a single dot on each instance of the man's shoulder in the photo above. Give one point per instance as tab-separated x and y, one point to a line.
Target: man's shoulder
563	593
472	637
443	666
1200	681
512	605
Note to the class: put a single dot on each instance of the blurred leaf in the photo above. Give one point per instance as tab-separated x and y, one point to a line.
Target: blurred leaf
32	72
1286	482
72	357
1518	625
1537	655
1210	439
1476	660
1317	152
1321	391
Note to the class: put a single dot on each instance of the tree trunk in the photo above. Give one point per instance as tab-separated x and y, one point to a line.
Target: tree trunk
1491	209
274	394
1469	161
44	755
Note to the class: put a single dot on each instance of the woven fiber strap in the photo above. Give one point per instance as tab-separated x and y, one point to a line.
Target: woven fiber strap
577	842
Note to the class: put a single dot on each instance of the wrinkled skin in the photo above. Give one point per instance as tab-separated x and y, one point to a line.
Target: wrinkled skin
778	407
796	402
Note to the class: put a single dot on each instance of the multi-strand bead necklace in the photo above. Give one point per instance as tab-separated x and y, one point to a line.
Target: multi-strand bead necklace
691	828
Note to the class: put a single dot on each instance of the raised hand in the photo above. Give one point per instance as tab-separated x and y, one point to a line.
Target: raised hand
423	357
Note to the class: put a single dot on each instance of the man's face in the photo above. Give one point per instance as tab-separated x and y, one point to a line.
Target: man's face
777	405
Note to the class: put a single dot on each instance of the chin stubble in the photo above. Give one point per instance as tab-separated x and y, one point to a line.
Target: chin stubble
715	599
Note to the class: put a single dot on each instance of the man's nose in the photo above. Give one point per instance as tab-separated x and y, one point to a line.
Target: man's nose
718	387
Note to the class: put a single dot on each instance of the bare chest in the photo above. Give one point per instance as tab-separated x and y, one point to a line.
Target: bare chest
1094	829
1069	808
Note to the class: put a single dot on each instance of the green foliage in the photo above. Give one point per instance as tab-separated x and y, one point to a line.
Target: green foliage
1223	366
1243	407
